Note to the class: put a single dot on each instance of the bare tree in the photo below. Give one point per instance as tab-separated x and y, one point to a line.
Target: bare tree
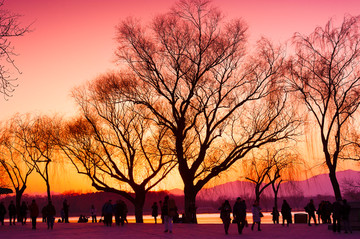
263	169
38	134
198	83
14	159
9	28
115	144
325	75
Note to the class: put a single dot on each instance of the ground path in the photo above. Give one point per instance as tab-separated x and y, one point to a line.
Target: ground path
180	231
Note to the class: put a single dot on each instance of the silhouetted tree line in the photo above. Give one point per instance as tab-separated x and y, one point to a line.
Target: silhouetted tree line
192	96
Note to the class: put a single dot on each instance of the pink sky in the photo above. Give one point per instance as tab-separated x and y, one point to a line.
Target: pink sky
72	41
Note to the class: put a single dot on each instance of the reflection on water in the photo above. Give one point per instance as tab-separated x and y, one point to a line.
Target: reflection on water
203	218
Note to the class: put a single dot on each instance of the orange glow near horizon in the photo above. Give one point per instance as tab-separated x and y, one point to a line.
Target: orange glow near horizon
72	42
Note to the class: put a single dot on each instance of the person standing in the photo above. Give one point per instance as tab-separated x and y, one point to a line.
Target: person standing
34	213
275	215
93	214
346	208
23	213
155	211
123	216
169	211
310	209
66	210
239	213
12	212
50	212
257	214
286	213
225	211
118	211
2	212
43	213
107	211
337	209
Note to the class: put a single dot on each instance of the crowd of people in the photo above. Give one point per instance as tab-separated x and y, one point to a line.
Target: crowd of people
339	210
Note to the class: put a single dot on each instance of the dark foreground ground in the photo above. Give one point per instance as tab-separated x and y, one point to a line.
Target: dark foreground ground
181	231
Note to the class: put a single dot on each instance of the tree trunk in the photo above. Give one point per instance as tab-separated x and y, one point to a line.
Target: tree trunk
257	193
18	196
335	184
190	204
139	205
48	190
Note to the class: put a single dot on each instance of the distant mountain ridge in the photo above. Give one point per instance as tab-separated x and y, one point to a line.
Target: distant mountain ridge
316	185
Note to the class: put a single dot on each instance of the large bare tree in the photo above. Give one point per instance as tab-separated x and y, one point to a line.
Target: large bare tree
325	74
9	28
114	143
199	83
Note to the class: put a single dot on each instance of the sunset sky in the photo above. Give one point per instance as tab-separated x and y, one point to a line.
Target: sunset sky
72	42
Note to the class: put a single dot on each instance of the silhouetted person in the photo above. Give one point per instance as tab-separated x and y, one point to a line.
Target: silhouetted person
43	214
239	213
93	214
346	208
23	213
225	211
34	213
155	211
66	211
62	215
124	212
320	212
286	213
12	213
50	213
161	212
118	211
327	210
275	215
107	211
256	212
310	209
337	209
169	211
2	212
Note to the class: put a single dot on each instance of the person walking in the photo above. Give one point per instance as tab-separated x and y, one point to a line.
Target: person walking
12	213
346	208
2	212
155	211
50	212
225	211
93	214
286	213
257	214
310	209
34	213
239	213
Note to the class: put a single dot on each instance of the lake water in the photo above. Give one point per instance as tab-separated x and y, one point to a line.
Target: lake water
203	218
